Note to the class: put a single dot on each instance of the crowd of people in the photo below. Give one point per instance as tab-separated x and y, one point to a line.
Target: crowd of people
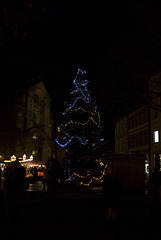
13	183
12	187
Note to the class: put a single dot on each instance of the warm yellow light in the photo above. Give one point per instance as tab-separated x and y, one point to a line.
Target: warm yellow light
7	161
33	152
13	158
34	137
78	123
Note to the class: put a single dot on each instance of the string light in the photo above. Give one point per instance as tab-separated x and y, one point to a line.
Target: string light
84	93
79	123
98	180
102	139
80	108
65	144
91	118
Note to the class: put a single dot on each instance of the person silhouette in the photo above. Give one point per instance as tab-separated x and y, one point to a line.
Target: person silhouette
111	188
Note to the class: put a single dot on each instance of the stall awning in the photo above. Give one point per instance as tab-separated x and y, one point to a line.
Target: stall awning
33	163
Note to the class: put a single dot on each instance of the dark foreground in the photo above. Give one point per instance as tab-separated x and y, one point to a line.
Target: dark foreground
79	215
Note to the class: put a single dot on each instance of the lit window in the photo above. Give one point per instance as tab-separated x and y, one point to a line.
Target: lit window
156	136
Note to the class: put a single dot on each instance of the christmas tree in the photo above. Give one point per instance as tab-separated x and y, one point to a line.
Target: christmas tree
80	130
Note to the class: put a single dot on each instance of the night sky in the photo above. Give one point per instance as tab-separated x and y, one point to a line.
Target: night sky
119	45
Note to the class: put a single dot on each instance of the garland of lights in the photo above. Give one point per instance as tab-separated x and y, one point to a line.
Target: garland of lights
83	124
80	108
79	123
82	94
95	179
81	89
86	97
70	139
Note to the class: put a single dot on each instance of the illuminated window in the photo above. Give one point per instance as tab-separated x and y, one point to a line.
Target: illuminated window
156	136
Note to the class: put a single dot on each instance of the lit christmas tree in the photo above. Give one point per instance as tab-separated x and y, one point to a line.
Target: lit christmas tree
80	131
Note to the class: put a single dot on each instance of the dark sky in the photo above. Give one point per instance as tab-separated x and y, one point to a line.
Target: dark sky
119	45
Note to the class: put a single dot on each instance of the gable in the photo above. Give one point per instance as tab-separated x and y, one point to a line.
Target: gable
39	89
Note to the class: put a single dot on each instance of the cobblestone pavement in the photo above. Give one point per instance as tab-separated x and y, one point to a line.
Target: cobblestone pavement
79	215
36	186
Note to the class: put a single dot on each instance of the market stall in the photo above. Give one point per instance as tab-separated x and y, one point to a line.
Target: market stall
33	165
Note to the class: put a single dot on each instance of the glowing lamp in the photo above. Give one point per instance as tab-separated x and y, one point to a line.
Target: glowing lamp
13	158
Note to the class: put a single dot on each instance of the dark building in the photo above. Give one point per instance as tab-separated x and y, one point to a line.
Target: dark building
26	124
139	132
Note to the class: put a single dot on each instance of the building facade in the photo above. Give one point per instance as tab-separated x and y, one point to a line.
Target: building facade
155	120
140	131
121	136
131	133
26	125
131	136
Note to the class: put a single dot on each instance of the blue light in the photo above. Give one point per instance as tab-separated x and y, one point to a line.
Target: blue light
81	71
83	143
84	94
71	138
72	105
102	139
68	161
71	179
81	93
65	144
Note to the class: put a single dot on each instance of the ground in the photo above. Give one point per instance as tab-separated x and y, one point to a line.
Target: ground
80	215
